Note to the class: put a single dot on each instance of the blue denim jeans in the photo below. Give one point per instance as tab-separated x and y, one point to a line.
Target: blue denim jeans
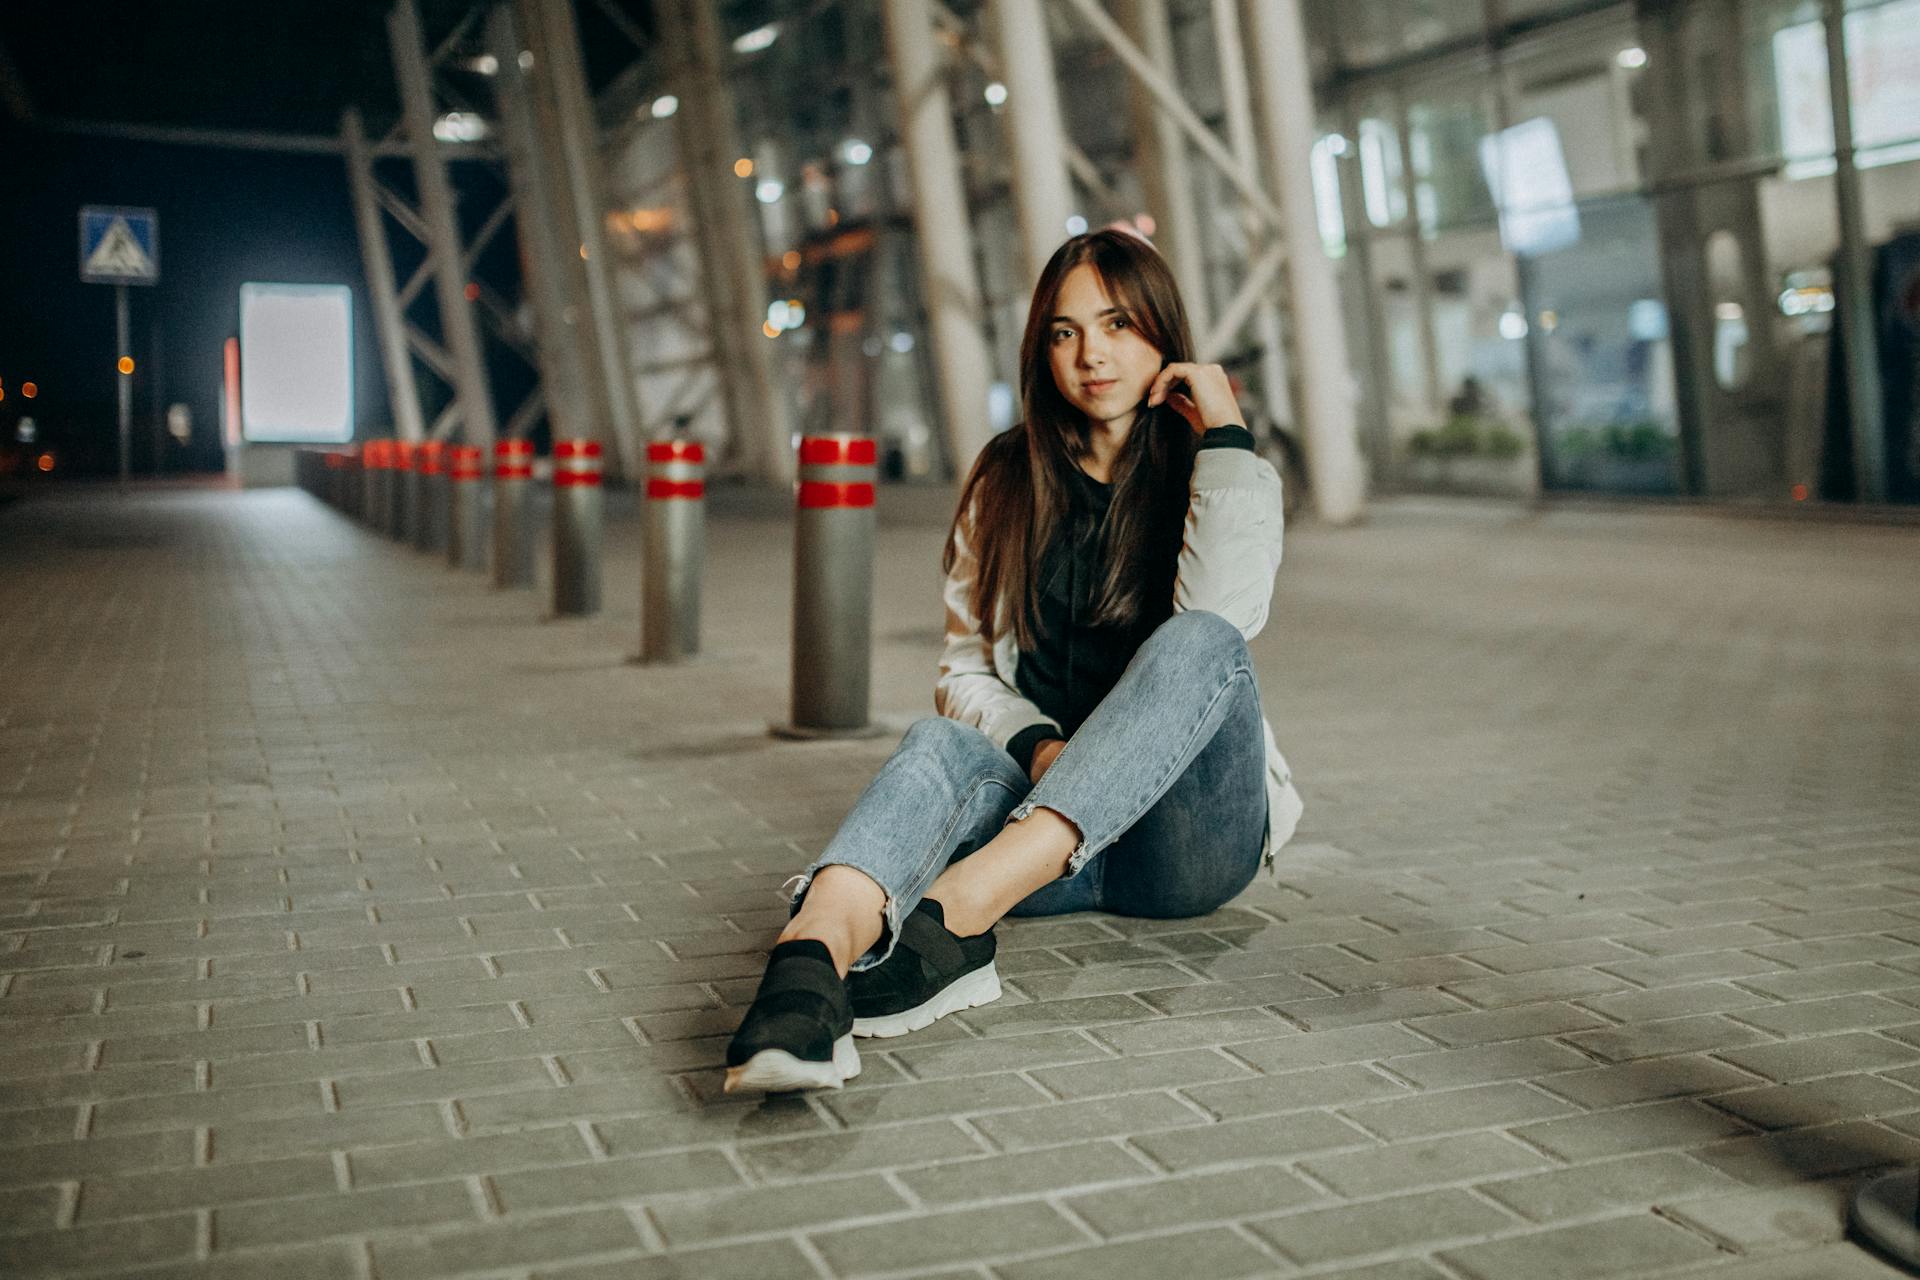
1166	782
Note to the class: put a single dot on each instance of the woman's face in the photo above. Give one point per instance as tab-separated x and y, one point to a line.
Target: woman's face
1100	361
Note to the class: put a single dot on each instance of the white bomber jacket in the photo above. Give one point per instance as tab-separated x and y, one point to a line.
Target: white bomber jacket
1228	558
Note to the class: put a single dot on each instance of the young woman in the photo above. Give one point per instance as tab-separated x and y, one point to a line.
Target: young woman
1100	743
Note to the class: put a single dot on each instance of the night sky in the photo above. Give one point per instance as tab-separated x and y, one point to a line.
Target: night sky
227	216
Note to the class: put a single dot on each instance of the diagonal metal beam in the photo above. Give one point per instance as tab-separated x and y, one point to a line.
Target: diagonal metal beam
401	212
1078	162
533	408
1240	308
417	281
431	353
488	230
1168	96
443	425
624	25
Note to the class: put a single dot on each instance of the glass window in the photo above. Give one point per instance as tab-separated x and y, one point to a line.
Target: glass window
1444	133
1600	340
1372	32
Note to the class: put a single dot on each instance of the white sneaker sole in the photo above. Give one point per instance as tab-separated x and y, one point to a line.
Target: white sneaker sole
777	1071
982	986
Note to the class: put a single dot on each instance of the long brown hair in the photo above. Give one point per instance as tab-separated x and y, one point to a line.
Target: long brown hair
1018	492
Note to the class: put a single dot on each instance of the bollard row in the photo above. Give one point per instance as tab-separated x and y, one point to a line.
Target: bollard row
436	497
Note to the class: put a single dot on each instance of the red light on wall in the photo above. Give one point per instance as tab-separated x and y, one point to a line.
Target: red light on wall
1799	493
231	355
44	462
472	292
29	389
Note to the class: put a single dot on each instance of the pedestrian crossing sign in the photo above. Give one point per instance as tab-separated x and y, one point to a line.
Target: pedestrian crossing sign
119	246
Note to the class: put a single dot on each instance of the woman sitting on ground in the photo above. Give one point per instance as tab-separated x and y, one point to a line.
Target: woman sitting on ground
1100	744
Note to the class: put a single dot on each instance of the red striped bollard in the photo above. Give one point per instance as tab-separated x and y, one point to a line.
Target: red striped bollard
430	516
467	540
375	475
406	490
833	589
512	527
676	550
577	520
333	482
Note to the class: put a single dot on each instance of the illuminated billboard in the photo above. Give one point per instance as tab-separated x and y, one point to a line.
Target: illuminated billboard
296	363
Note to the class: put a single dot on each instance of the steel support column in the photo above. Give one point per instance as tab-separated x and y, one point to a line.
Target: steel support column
462	335
1165	176
1859	339
1042	193
948	285
558	67
1285	79
730	255
1238	100
389	322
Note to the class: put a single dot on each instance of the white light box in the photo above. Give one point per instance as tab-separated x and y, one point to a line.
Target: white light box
296	363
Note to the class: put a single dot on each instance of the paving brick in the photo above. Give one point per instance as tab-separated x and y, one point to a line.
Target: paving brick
1646	1080
1619	1246
1660	1177
979	1057
1507	1060
931	1239
759	1258
77	1249
1050	1015
1668	1036
1263	1140
1227	1027
1821	1056
685	1220
1380	1226
1050	1170
1648	1127
30	1209
1092	1118
494	1245
1412	1165
358	1213
893	1146
121	1197
1428	1115
1516	1023
1213	1252
610	1181
242	1140
426	1161
133	1115
1822	1101
1770	1221
1295	1091
1778	1159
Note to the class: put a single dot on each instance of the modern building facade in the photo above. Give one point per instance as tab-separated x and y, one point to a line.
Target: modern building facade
1591	247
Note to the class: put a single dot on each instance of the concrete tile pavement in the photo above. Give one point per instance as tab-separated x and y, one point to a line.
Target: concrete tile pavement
356	921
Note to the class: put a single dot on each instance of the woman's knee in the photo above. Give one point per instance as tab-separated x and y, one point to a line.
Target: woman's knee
1196	632
939	735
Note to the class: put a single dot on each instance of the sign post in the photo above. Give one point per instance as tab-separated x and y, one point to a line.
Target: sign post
120	247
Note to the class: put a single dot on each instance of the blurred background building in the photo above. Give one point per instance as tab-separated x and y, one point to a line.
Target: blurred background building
1584	247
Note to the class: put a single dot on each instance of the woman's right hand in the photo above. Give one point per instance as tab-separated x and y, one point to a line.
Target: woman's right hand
1043	757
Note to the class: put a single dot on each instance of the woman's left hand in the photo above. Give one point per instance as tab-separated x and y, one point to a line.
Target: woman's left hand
1208	400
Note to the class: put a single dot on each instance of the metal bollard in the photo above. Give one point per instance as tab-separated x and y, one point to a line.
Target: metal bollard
385	478
406	490
467	541
430	516
356	467
373	479
577	520
676	550
833	589
512	529
332	481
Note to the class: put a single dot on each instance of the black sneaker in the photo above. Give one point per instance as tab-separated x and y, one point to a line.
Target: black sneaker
798	1032
930	974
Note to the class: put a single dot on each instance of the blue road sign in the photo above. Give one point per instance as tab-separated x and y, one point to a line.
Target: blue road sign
119	246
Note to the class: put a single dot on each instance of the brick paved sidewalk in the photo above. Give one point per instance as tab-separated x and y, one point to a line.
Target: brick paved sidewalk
356	922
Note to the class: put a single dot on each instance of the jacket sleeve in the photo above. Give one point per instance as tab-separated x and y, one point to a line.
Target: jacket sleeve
1231	550
970	688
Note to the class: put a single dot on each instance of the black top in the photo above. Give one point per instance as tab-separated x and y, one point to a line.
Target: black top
1075	663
